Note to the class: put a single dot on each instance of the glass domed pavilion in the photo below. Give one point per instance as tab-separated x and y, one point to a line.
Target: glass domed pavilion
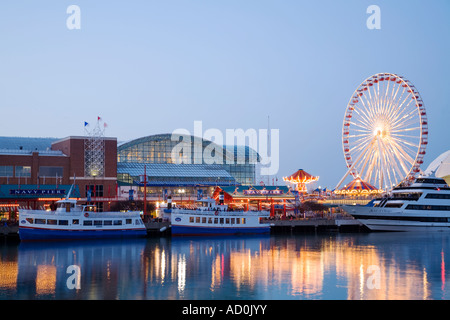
174	161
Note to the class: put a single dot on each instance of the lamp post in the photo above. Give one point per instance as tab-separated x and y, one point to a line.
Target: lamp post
181	191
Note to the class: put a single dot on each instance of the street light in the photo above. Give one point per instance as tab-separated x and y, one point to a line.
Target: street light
181	191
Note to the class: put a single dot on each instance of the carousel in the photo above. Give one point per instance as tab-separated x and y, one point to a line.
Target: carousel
300	178
358	187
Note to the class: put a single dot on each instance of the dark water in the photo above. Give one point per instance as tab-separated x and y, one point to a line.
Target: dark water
336	266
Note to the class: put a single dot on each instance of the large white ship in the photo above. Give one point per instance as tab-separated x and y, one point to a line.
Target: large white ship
422	206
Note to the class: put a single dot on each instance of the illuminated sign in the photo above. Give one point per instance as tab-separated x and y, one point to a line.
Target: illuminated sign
262	192
36	192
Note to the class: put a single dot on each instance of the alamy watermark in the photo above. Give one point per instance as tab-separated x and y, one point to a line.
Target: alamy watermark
74	280
374	20
374	277
262	142
74	20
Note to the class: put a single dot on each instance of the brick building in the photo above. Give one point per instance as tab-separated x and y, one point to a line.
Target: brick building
37	171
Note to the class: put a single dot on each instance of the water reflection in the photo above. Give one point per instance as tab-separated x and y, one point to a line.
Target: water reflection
354	266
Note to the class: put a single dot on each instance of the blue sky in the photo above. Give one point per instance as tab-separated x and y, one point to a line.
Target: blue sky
149	67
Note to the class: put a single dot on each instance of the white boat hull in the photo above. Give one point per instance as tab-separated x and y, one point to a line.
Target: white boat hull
385	219
197	222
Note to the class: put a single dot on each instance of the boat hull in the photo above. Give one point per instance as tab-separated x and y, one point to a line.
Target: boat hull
179	230
27	233
383	219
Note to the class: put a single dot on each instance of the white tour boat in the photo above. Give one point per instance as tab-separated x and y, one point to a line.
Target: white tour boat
211	219
73	221
422	206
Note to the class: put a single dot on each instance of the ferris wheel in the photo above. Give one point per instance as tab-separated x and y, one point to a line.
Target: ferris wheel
385	131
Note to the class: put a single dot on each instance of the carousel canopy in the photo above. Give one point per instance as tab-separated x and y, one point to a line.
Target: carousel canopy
300	176
358	187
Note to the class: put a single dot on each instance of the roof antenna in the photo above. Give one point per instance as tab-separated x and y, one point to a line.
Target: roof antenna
71	188
268	145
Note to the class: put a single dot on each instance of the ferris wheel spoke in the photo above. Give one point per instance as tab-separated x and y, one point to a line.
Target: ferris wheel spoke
366	115
371	104
358	125
366	160
406	143
358	135
406	129
403	132
364	120
396	107
399	109
371	160
403	116
402	154
358	146
406	150
395	160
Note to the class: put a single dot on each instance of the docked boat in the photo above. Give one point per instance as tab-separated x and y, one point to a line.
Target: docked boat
422	206
209	218
72	221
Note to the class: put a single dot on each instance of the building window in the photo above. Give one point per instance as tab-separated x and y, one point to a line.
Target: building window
96	191
6	171
23	171
46	171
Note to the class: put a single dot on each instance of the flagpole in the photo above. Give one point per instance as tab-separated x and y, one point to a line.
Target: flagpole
145	191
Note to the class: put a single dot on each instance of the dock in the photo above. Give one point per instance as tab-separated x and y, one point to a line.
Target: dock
162	228
317	225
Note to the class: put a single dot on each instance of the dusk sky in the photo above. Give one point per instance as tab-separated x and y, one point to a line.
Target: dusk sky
150	67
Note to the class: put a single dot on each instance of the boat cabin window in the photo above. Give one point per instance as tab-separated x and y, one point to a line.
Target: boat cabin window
51	221
129	221
432	181
98	222
107	223
66	206
393	205
437	196
30	220
87	223
197	219
75	221
117	222
39	221
413	196
427	207
63	222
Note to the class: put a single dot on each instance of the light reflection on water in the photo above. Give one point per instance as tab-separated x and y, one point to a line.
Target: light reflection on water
336	266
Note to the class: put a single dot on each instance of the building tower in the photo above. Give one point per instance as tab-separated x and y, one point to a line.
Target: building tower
94	149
